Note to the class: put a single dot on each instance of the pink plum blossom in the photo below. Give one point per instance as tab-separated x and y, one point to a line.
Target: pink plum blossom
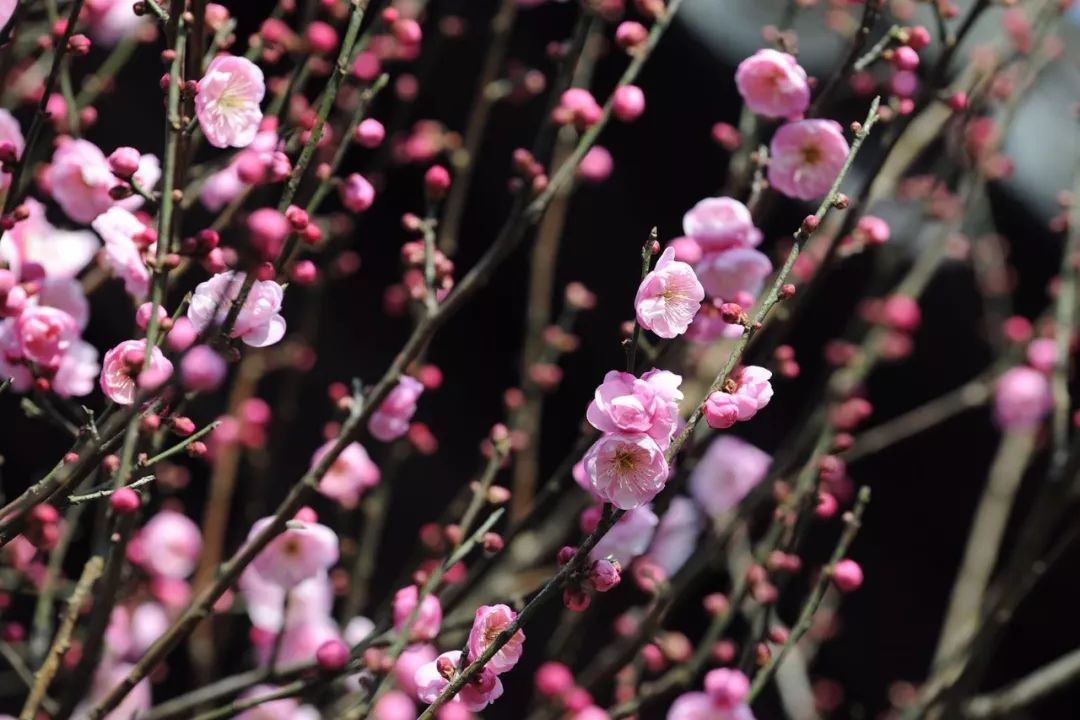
629	537
9	126
349	475
394	705
80	179
281	709
627	470
170	545
773	84
805	158
428	619
391	420
258	324
431	679
699	706
110	21
668	297
1023	398
747	392
227	104
490	620
123	257
45	334
725	275
35	241
410	661
78	371
676	536
300	640
108	676
720	223
301	551
649	404
1042	354
730	469
65	294
122	366
309	600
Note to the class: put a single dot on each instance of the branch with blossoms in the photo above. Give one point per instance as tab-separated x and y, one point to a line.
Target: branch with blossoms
160	309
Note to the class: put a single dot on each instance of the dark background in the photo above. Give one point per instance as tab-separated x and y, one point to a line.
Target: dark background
925	489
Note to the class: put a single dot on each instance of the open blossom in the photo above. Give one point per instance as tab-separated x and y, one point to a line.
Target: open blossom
169	545
773	84
805	158
309	601
45	334
627	470
302	551
122	366
491	620
428	619
80	179
676	535
119	228
258	324
349	475
78	371
9	126
747	392
668	297
649	404
724	698
720	223
227	103
1023	398
34	241
391	420
110	21
629	537
730	469
727	274
432	678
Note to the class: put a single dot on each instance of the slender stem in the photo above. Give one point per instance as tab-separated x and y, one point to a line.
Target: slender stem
806	616
60	645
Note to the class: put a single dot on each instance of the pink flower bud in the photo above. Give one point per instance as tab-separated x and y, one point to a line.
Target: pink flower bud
628	103
124	161
182	334
267	230
124	501
332	655
321	37
905	58
370	133
727	688
604	575
357	194
437	182
553	679
847	575
630	34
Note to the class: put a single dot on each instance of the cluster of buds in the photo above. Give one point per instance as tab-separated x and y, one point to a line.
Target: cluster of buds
530	170
599	575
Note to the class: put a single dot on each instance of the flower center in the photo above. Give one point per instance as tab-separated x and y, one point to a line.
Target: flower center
811	154
624	460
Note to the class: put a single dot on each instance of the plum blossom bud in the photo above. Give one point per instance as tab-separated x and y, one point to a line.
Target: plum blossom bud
267	231
437	182
847	576
332	655
727	688
78	44
124	501
630	34
604	575
905	58
124	161
576	599
1023	398
628	103
321	37
357	194
370	133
